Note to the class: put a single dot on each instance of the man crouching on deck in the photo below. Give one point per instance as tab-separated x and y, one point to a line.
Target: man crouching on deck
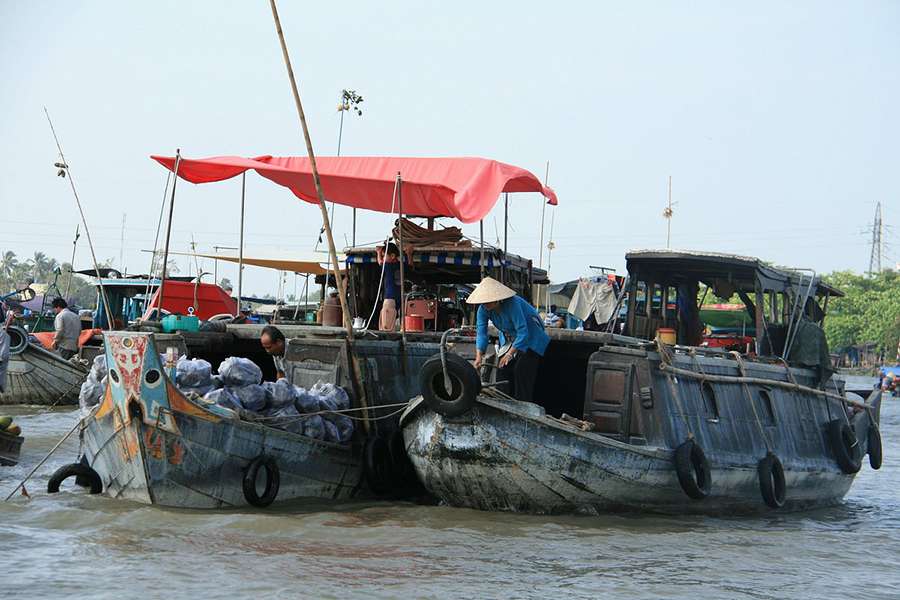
518	323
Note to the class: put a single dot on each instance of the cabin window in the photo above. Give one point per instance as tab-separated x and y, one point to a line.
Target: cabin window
657	301
765	398
640	298
709	399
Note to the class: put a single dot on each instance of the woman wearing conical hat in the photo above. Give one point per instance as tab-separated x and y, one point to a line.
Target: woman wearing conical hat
519	324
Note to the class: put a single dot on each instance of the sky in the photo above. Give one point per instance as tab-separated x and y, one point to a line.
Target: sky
778	122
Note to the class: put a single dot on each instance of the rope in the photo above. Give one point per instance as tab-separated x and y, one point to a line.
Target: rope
745	387
402	406
666	359
418	236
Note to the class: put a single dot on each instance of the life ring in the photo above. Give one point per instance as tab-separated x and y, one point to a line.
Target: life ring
844	445
18	339
465	385
273	481
873	446
693	470
87	476
378	466
771	481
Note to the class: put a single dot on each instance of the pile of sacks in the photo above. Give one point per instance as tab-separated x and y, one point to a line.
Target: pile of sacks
93	387
239	387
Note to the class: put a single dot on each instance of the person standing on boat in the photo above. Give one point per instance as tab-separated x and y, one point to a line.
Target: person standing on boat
389	258
68	328
273	343
520	325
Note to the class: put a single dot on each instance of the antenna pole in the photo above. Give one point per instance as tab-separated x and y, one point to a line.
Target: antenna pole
63	170
543	210
72	263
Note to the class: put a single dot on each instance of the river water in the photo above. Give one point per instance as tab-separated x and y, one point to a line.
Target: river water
76	545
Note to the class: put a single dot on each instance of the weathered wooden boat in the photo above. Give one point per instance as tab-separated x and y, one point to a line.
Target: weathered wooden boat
661	428
10	447
150	443
36	376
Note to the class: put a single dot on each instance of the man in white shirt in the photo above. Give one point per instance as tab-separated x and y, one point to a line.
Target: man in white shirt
68	328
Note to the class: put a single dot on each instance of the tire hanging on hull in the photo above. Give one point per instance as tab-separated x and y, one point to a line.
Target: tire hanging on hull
273	481
693	470
84	475
771	481
845	446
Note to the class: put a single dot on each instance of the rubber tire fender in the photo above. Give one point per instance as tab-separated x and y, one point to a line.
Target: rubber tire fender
771	481
378	466
693	470
873	446
78	470
465	384
273	481
18	339
845	446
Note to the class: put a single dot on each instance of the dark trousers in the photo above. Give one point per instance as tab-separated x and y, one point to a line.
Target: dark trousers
520	374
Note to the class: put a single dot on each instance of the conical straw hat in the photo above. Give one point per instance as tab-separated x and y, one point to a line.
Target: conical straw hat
489	290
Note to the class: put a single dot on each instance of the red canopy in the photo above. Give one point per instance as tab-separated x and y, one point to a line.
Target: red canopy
463	188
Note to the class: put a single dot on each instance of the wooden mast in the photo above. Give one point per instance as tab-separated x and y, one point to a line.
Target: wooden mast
315	173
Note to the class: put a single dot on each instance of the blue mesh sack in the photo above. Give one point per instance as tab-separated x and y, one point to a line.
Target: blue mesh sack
253	397
237	372
193	373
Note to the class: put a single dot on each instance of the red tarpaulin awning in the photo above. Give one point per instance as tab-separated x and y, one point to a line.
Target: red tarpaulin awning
463	188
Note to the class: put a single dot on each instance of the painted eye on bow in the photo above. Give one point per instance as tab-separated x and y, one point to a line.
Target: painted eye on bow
151	377
114	375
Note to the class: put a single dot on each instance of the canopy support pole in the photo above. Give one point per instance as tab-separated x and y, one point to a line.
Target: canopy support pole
165	261
315	173
237	309
481	256
543	211
402	260
505	236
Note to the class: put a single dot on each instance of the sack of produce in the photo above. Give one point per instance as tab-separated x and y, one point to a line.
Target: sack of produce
314	427
253	397
335	394
225	398
282	393
305	401
193	373
237	372
287	418
344	426
331	431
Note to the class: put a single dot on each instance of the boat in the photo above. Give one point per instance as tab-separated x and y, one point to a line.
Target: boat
148	442
658	426
10	443
36	376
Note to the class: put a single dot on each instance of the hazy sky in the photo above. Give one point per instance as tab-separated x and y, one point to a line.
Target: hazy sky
777	121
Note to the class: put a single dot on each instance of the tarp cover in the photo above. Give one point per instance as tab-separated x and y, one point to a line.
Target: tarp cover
291	265
463	188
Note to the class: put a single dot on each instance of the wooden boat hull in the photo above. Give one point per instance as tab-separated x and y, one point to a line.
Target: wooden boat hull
10	447
509	456
36	376
151	444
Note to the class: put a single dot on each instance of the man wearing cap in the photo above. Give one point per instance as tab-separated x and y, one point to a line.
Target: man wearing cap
519	324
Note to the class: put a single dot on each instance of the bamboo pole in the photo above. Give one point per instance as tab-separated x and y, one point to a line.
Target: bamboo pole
402	257
315	173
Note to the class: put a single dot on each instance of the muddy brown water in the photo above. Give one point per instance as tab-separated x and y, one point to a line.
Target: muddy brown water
76	545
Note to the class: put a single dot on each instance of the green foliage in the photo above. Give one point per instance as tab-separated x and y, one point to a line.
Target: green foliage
869	313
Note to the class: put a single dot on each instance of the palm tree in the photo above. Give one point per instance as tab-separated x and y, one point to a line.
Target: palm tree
39	265
8	264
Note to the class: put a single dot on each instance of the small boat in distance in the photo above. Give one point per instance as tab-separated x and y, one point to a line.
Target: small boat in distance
660	427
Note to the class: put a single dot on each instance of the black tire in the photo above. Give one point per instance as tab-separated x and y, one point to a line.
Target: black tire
693	470
771	481
18	339
845	446
873	447
378	467
81	472
466	384
273	481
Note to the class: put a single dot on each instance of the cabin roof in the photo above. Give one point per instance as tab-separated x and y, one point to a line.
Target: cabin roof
742	272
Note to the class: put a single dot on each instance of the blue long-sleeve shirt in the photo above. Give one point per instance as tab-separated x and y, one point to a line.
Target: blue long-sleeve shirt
518	321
